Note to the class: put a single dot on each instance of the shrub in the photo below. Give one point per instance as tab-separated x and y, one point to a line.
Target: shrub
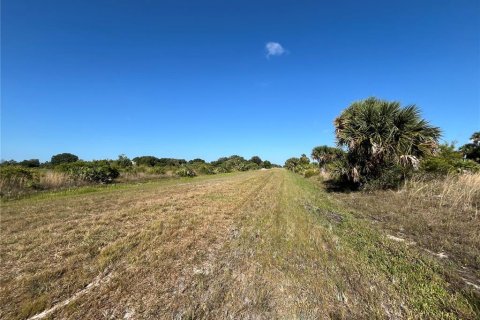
95	171
63	158
447	161
158	170
14	180
206	169
298	165
267	164
221	169
186	172
311	172
392	177
249	166
123	162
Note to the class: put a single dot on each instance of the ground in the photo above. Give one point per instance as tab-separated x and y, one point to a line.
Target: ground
257	245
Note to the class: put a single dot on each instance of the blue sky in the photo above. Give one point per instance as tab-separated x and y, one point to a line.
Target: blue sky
193	79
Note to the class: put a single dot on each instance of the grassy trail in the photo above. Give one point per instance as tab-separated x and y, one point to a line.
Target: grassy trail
265	244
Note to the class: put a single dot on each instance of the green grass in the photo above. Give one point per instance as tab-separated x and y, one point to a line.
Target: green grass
329	258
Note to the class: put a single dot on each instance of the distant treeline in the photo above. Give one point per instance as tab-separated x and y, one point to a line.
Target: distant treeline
232	163
66	170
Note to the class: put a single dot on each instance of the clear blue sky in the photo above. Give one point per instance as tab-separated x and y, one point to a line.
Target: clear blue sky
193	79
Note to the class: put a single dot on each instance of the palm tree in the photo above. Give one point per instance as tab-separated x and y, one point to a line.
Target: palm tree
292	164
472	150
324	155
378	132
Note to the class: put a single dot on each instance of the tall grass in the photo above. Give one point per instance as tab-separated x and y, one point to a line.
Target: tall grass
16	181
457	191
56	180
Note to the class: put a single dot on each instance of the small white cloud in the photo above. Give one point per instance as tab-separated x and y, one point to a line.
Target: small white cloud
274	49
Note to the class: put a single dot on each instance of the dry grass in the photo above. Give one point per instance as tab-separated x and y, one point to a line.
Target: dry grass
37	180
257	245
456	192
439	215
52	180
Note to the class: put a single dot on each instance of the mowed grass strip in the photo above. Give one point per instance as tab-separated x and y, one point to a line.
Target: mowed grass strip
321	263
55	246
265	244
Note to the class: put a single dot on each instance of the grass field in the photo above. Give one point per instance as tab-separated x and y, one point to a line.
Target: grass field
257	245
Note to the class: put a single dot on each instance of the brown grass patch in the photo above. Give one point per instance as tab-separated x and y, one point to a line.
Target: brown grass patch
440	215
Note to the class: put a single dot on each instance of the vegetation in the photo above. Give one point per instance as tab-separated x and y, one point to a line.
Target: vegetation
63	158
66	170
262	244
471	150
325	155
186	172
14	179
123	162
95	171
448	160
381	136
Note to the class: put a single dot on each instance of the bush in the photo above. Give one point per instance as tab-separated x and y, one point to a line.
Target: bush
158	170
267	164
14	180
448	161
186	172
249	166
206	169
95	171
391	177
123	162
221	169
311	172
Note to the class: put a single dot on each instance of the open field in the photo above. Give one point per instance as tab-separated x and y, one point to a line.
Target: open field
259	245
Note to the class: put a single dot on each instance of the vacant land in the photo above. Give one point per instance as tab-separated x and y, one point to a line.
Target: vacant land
265	244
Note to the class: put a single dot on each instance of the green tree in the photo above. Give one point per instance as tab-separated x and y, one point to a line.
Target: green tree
32	163
379	134
472	150
123	161
63	158
304	160
292	164
267	164
448	160
256	159
197	160
325	155
148	161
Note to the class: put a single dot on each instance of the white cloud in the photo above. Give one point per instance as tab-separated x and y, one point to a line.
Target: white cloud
274	49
